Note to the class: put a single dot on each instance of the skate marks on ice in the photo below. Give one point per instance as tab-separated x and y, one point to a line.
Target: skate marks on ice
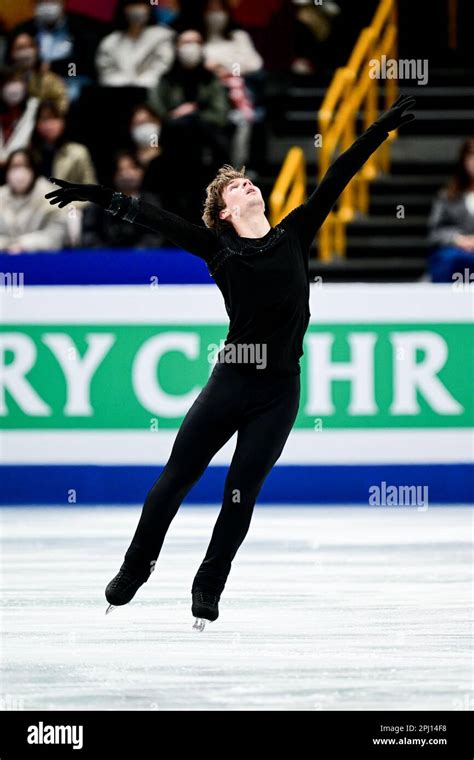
324	609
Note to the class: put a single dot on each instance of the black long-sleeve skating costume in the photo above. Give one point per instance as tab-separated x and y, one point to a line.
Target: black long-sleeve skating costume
265	286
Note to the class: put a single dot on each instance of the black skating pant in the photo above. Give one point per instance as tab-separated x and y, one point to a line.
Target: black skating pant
262	410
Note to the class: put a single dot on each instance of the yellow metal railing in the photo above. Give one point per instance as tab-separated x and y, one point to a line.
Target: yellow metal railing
290	188
352	89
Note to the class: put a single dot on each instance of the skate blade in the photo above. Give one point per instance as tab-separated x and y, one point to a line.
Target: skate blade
109	609
199	624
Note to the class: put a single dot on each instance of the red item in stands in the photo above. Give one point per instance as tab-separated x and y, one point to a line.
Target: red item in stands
251	13
102	10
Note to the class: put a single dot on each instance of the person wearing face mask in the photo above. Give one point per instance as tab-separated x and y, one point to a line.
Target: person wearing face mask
54	151
26	221
159	164
17	113
188	88
145	133
230	53
225	46
138	54
193	106
64	38
42	83
99	229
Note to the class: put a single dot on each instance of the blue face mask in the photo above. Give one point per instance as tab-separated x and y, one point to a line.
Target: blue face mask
166	15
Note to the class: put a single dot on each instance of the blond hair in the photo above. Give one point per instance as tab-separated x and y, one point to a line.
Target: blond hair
214	202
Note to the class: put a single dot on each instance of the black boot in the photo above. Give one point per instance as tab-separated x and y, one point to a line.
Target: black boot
126	583
205	605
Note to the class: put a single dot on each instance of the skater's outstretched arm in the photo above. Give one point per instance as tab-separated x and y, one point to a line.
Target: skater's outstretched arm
308	218
194	238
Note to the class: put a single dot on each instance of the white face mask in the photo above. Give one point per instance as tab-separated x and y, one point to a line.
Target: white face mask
190	54
25	57
216	21
13	93
137	15
49	12
146	134
19	179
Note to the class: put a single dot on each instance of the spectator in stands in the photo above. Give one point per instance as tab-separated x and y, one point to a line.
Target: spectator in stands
66	42
138	54
160	176
451	223
55	153
194	108
230	54
17	113
145	131
190	92
101	230
28	222
42	84
225	45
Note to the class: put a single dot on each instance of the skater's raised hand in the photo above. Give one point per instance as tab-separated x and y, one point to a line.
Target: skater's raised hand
395	116
73	191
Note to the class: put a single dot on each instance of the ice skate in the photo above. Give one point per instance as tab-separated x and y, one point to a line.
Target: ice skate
125	585
205	606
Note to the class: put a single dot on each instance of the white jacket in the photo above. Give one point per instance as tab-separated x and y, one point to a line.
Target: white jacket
122	61
20	137
238	50
30	221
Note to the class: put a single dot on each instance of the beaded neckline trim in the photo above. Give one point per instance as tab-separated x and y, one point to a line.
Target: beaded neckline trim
246	250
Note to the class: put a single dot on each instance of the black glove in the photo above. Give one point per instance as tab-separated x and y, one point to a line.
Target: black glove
394	117
73	191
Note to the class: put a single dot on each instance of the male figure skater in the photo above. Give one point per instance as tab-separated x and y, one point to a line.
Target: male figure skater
254	387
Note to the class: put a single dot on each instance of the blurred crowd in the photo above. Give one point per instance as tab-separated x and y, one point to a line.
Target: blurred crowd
151	98
451	223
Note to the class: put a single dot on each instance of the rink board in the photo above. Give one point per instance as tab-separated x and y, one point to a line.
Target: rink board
96	381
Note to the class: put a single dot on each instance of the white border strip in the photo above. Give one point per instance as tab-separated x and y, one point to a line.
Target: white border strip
203	304
303	447
413	302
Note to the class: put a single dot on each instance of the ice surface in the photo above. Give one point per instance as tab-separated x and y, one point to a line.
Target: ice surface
325	608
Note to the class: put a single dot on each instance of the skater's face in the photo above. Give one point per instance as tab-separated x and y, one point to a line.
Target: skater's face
241	197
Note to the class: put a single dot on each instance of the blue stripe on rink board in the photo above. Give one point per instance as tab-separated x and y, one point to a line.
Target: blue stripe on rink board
289	484
107	267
